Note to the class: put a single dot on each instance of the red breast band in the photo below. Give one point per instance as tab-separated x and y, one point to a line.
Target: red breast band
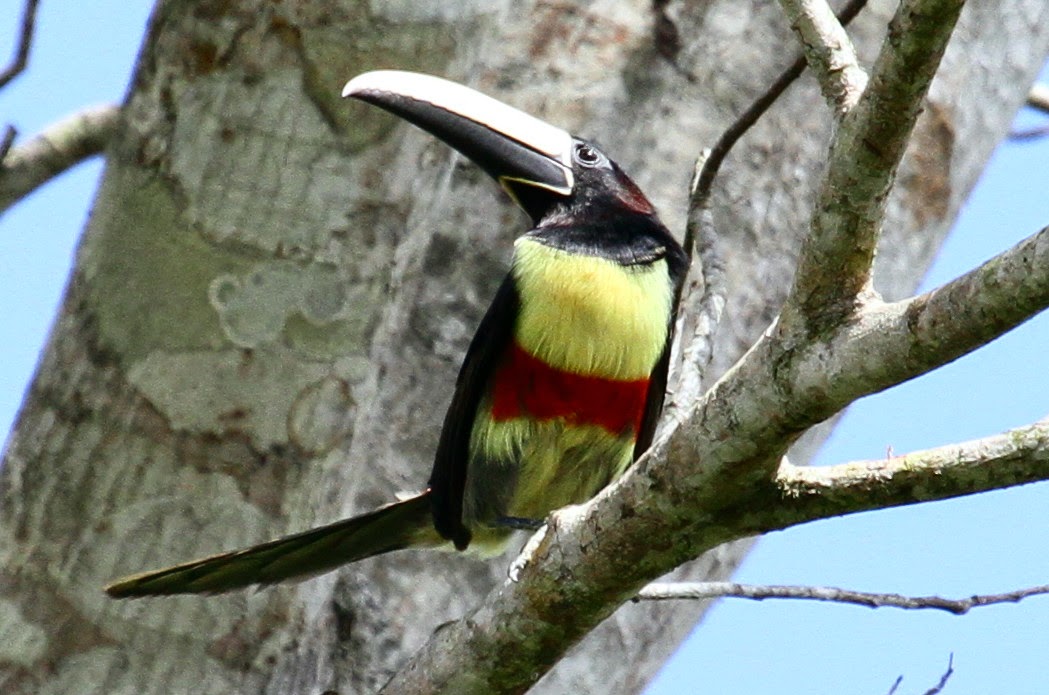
525	386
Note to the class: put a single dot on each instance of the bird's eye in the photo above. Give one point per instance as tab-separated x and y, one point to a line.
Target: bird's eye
587	155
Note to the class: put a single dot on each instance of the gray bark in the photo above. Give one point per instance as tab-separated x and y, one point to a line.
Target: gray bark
275	290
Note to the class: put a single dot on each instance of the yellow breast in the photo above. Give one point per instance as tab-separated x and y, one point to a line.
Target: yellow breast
590	315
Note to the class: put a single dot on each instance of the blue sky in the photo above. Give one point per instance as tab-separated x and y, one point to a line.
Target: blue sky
988	543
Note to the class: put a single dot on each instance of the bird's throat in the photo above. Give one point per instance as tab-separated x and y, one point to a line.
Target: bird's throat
589	315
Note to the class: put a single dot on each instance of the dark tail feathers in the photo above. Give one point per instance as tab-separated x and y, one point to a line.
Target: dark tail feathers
399	525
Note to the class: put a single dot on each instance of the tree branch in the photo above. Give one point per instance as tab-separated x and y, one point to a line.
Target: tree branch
698	591
1038	97
8	139
699	310
742	426
863	160
891	343
828	51
25	41
705	316
1029	134
1016	457
61	146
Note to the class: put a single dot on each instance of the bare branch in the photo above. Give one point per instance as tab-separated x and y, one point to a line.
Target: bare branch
61	146
829	52
1029	133
890	343
703	316
25	40
862	165
1016	457
667	591
699	311
1038	97
744	423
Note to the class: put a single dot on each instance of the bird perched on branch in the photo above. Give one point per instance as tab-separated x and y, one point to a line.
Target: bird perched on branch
562	385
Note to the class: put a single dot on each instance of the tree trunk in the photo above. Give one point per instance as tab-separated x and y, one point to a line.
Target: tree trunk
276	287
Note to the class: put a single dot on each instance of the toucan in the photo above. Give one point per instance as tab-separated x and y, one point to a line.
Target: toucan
561	387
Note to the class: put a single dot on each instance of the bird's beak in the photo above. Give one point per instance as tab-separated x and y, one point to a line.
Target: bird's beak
512	146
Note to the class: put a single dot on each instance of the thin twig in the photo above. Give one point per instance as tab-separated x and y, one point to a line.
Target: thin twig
1029	134
60	146
938	688
706	315
25	41
828	51
670	591
10	132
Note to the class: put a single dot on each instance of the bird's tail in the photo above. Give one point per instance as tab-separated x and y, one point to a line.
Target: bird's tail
399	525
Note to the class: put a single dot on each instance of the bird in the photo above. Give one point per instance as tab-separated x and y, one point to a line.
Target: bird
561	387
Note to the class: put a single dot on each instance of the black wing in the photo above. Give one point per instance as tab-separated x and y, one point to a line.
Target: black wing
657	389
448	479
677	267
